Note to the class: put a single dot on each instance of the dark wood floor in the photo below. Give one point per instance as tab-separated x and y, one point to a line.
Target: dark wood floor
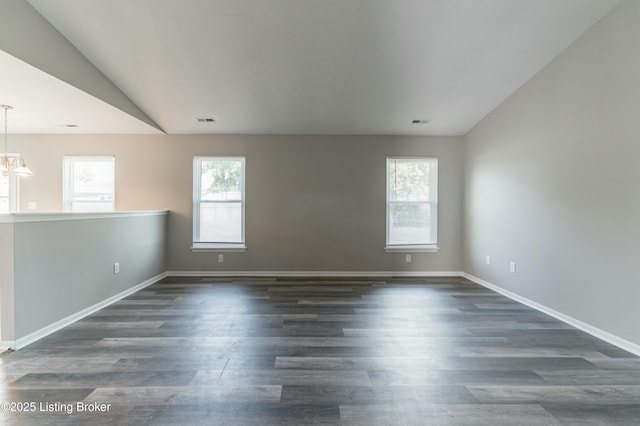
327	352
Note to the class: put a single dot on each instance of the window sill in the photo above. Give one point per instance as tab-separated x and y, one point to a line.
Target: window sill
218	247
426	248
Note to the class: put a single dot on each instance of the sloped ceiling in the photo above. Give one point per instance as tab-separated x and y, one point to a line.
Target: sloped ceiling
291	66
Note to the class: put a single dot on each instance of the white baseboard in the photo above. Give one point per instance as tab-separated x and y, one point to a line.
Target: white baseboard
587	328
594	331
334	274
51	328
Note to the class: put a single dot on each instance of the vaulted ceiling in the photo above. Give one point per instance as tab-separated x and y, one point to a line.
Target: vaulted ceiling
275	66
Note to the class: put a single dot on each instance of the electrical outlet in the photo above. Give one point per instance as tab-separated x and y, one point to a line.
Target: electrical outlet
116	268
220	258
407	258
487	260
32	205
512	266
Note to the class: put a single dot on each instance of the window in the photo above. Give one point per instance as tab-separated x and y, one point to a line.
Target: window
9	191
412	204
218	203
89	184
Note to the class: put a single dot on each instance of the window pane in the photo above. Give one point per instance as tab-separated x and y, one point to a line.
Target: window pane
7	193
412	199
93	181
91	184
409	179
4	186
409	223
221	222
219	200
221	180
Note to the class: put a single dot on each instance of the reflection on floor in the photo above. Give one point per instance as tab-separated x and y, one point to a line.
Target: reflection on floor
324	351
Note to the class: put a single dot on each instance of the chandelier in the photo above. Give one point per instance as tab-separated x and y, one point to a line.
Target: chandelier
8	164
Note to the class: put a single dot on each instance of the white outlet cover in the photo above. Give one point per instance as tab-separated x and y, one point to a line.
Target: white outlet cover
487	260
512	266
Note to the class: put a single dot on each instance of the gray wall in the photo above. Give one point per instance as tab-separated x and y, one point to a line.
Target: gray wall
314	203
552	182
63	267
7	316
21	24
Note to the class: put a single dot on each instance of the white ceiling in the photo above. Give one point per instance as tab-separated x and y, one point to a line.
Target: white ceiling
309	67
56	104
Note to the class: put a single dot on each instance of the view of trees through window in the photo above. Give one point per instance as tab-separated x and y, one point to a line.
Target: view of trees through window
220	201
411	200
221	179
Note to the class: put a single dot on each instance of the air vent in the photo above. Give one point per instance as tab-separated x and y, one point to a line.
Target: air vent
206	119
419	121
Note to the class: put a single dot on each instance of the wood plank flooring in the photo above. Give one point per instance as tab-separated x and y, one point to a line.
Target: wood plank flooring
438	351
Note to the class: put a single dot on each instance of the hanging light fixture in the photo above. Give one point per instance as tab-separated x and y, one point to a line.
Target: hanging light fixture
6	163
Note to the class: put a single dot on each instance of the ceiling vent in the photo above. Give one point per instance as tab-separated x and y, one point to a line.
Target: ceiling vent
206	119
419	121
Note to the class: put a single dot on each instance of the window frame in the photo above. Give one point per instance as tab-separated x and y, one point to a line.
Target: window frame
431	246
68	176
14	187
217	246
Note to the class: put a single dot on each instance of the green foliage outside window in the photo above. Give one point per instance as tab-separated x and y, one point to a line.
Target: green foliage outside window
222	177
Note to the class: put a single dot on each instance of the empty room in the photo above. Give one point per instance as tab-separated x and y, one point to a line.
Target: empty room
328	212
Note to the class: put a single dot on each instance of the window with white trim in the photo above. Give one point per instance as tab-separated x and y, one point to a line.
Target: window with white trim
218	203
412	203
9	190
88	184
